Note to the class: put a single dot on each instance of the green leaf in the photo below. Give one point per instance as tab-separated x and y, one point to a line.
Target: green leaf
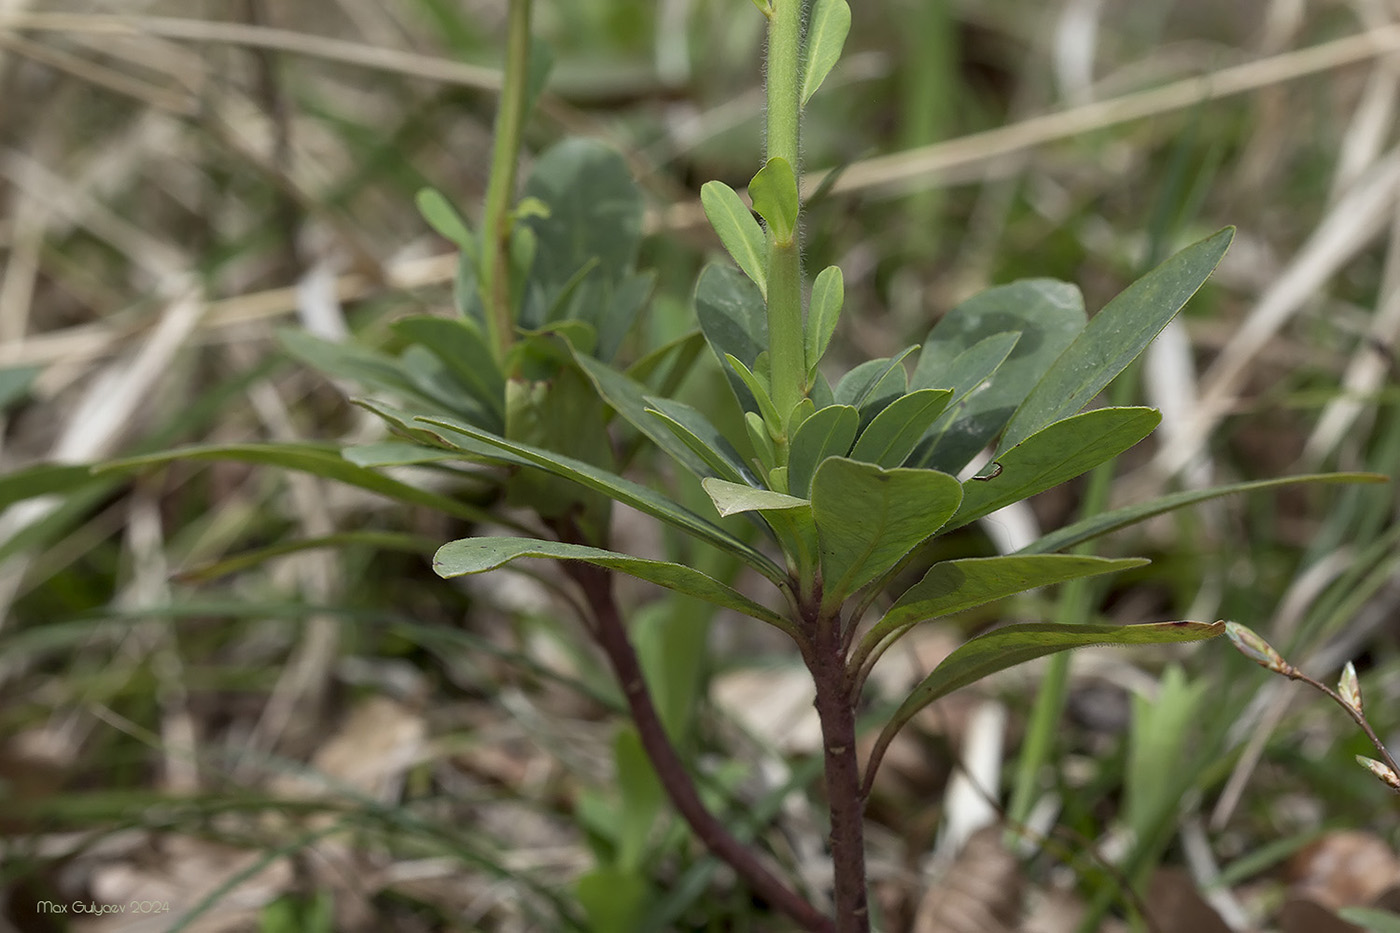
371	370
396	453
478	555
462	348
379	540
1017	644
829	432
318	460
894	432
695	430
42	479
868	518
759	392
964	373
595	217
629	400
1105	522
828	295
761	440
639	497
953	586
874	381
641	797
733	498
1116	336
1055	454
828	25
612	898
1371	919
1047	315
443	217
738	231
734	320
775	198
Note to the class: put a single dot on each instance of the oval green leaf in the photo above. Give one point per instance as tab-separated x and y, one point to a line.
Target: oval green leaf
829	432
828	26
828	295
891	437
443	217
868	518
733	498
774	193
738	231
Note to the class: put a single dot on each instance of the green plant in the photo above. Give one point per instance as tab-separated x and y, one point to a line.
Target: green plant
845	484
1347	695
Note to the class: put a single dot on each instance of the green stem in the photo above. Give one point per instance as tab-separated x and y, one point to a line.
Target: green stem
494	271
788	370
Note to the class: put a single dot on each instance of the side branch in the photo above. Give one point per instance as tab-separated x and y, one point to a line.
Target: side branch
611	635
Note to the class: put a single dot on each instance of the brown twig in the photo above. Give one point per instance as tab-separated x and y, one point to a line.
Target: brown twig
611	634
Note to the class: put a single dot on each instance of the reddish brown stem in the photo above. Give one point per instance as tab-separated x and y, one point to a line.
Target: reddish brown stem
611	635
836	708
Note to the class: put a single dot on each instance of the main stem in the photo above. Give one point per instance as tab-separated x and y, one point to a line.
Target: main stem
788	370
611	635
493	273
836	709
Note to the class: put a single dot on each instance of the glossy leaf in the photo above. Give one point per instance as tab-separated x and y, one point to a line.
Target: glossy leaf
1047	315
953	586
775	198
868	518
694	430
828	25
824	310
741	235
323	461
1056	454
1106	522
639	497
733	498
1115	336
892	435
477	555
1016	644
443	217
829	432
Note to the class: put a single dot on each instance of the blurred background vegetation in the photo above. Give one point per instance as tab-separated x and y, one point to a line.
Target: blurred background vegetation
338	739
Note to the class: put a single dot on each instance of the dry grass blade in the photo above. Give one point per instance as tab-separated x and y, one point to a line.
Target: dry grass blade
397	61
981	891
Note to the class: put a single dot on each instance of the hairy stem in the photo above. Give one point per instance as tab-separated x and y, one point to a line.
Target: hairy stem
785	350
611	635
836	708
494	271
